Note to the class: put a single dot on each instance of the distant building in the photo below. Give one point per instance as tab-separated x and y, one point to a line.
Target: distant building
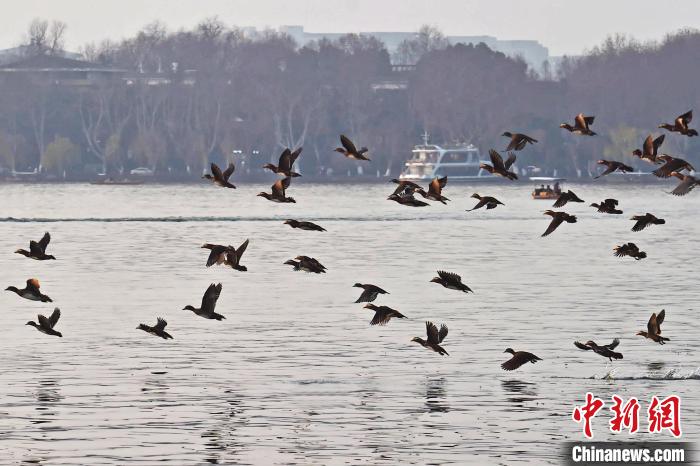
60	70
23	51
534	53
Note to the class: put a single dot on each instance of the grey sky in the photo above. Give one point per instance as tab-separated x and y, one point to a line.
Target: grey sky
564	26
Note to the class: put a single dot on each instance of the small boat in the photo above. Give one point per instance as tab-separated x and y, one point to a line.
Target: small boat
546	188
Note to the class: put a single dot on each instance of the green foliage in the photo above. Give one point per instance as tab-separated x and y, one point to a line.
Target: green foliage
622	141
60	155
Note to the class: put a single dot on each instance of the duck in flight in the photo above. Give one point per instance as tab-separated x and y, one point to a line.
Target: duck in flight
687	184
37	249
608	206
565	197
369	292
680	125
581	125
45	325
286	163
643	221
654	328
307	226
221	179
488	201
350	151
650	149
211	296
612	166
227	255
499	167
629	249
306	264
604	350
383	314
31	291
518	141
519	358
451	281
557	219
158	329
435	337
279	190
435	190
405	187
673	164
407	199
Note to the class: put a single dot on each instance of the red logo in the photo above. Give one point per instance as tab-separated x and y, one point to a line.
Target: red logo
662	414
665	414
586	412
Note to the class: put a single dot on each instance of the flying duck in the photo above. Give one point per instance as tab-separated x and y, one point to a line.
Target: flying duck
221	179
568	196
407	199
680	125
581	125
350	151
608	206
383	314
650	149
46	325
278	192
157	330
311	260
435	337
451	281
435	190
645	220
629	249
308	226
611	166
518	140
306	264
654	328
499	167
227	255
208	303
488	201
686	185
31	291
286	163
37	249
233	257
557	219
369	293
672	164
406	187
605	350
519	358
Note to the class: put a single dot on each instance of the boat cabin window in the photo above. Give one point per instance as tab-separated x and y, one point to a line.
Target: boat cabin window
425	156
451	171
457	157
419	170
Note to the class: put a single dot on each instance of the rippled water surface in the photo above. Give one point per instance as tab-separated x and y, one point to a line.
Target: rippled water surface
295	374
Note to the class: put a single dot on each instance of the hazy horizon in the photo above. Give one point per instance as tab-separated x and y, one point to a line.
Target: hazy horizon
549	22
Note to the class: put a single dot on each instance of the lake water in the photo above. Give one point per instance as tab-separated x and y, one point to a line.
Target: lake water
295	374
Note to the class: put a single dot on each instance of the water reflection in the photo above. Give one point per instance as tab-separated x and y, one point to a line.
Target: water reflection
47	394
221	438
435	397
519	393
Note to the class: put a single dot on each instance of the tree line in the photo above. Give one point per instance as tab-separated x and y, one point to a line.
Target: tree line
212	94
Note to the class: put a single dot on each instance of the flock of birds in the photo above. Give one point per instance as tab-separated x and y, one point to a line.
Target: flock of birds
404	194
